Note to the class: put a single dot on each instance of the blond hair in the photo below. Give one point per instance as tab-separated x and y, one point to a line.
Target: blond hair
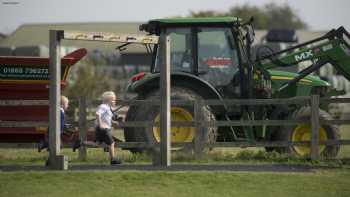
64	99
107	95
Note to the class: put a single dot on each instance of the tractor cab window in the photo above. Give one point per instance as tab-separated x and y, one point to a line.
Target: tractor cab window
181	58
217	55
215	48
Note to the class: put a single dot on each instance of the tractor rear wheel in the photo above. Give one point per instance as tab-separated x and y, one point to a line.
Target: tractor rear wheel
178	113
302	132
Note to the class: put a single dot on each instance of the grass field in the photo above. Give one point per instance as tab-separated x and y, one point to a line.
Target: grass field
218	155
317	183
112	183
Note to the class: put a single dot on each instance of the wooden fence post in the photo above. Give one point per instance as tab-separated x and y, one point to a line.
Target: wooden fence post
315	125
82	127
56	161
198	143
165	140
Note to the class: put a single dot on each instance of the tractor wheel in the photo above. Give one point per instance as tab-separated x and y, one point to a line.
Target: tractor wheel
302	132
178	113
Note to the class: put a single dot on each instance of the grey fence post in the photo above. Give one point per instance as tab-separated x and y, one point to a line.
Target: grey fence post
315	125
199	130
165	141
82	127
56	161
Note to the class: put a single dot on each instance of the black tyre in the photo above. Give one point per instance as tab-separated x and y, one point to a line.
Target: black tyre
302	132
178	113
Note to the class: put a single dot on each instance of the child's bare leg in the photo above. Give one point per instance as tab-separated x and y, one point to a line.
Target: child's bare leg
111	151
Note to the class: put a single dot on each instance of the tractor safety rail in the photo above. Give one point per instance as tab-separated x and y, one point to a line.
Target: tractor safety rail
110	37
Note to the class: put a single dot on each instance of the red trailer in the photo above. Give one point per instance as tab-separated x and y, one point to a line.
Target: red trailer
27	78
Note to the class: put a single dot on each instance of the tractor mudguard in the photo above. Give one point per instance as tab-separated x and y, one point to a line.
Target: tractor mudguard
204	89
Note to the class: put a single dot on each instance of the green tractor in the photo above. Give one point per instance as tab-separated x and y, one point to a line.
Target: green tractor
211	58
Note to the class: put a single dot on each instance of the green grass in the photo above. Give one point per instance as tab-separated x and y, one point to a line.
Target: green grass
130	183
218	155
108	183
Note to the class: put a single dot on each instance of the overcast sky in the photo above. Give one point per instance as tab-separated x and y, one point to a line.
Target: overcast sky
318	14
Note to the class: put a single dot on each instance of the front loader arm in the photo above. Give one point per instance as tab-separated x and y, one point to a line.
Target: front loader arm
332	48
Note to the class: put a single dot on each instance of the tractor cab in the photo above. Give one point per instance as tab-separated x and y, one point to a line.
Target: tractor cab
206	48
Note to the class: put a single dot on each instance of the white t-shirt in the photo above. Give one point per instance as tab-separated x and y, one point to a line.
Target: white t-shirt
106	114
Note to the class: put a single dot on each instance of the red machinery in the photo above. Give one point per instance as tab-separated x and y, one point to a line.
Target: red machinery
26	78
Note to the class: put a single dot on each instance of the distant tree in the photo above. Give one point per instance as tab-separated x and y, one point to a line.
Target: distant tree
283	16
269	16
85	80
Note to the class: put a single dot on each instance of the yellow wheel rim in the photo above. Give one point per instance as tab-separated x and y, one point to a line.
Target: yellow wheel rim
303	133
178	134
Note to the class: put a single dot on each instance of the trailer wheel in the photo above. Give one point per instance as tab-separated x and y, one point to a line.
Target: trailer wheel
178	113
302	132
